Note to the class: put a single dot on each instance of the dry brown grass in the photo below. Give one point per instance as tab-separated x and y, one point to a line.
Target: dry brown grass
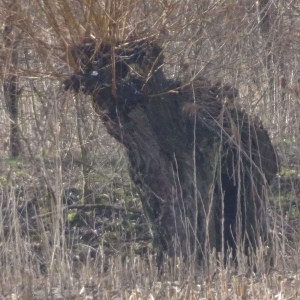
130	276
39	260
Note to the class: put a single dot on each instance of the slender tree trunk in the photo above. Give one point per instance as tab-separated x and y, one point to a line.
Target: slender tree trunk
268	37
12	104
265	22
12	38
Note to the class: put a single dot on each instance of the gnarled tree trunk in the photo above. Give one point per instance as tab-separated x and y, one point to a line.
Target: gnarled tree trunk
201	165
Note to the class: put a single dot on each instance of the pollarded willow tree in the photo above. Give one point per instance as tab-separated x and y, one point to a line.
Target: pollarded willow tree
201	164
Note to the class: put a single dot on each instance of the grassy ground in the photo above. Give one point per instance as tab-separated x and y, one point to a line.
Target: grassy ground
53	248
135	277
104	252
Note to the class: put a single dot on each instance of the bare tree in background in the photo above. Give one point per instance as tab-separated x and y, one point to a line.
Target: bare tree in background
12	38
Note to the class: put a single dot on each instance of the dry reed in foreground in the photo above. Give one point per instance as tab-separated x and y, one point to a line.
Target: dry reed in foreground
42	270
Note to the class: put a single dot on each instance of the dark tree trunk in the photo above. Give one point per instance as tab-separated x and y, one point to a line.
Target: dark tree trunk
190	154
12	103
11	40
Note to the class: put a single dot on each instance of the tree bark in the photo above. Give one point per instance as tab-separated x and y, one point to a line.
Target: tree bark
12	39
190	154
12	103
